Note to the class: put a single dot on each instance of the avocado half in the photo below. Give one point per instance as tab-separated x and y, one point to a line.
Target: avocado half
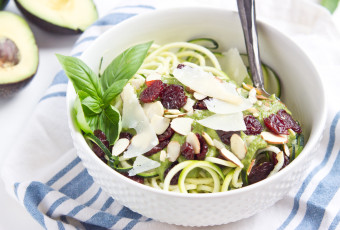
19	55
59	16
3	4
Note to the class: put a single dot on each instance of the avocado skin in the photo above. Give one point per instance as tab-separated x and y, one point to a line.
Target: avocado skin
9	90
3	4
47	26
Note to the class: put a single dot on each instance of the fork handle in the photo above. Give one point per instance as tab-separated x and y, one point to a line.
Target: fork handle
247	15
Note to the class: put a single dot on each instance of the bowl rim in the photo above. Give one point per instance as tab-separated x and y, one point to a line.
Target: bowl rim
315	132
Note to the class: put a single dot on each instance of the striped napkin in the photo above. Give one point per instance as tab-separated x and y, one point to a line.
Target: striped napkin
46	176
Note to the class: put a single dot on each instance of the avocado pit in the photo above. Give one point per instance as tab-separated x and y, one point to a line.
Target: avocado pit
9	53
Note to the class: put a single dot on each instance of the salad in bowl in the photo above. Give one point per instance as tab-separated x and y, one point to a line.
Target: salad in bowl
184	117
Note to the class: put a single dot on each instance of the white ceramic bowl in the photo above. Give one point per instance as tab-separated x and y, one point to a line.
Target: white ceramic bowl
302	91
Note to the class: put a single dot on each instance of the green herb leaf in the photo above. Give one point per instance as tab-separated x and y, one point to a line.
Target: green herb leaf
110	123
331	5
92	104
82	77
80	116
114	90
125	65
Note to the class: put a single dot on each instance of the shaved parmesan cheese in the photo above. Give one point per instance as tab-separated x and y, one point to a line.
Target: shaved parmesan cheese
133	117
222	107
153	108
234	66
205	83
189	105
225	122
143	164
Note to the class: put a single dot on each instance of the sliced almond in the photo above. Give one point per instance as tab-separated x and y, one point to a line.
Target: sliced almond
188	106
273	138
238	146
173	150
174	115
154	108
162	156
246	86
286	150
120	146
252	110
182	125
250	166
193	140
207	138
218	144
199	96
231	157
173	111
159	124
261	97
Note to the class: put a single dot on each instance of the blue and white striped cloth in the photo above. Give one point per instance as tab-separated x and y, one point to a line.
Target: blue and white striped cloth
45	175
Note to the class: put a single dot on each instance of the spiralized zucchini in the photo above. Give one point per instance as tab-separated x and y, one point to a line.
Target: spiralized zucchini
212	174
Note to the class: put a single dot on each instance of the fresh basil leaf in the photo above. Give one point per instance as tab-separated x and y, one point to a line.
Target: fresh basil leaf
92	104
87	108
125	65
110	123
114	90
82	77
80	117
92	121
331	5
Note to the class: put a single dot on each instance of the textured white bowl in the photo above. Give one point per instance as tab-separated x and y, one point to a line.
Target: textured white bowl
302	91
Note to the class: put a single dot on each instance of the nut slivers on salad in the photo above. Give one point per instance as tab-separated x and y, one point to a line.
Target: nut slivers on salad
184	117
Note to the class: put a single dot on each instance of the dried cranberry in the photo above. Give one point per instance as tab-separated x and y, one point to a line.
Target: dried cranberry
275	124
152	92
180	66
204	148
187	150
96	149
225	136
125	135
173	97
289	121
168	133
260	172
200	105
174	179
136	178
253	125
157	148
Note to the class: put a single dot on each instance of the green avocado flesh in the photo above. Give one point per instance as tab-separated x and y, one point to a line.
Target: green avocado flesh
59	16
18	53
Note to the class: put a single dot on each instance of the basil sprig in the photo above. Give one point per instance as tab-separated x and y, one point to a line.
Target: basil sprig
92	108
331	5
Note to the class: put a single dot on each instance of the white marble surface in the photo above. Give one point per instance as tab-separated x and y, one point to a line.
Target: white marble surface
14	113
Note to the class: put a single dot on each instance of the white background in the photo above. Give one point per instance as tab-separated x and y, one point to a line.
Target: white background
15	112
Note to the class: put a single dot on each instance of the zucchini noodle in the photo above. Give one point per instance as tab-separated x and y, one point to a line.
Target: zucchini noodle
212	174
